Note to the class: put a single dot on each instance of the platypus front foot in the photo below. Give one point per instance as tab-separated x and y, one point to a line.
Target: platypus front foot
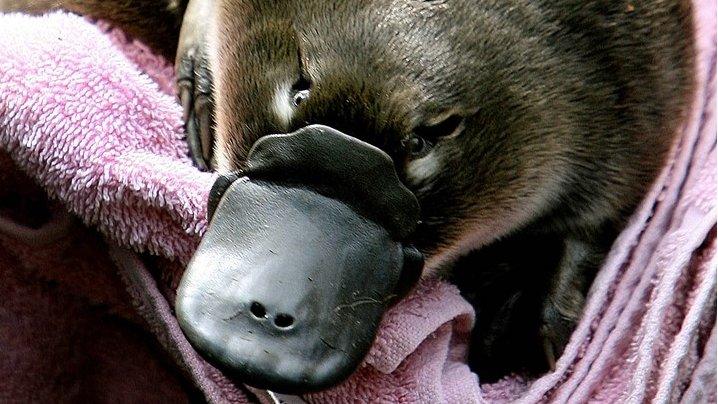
194	81
556	329
563	306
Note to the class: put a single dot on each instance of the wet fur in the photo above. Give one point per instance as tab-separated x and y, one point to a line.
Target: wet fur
569	106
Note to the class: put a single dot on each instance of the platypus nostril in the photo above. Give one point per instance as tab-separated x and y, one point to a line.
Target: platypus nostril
283	320
258	310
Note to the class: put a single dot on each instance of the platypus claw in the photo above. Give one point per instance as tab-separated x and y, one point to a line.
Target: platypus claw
555	332
194	83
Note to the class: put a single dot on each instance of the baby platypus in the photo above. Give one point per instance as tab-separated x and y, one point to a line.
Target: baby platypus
527	130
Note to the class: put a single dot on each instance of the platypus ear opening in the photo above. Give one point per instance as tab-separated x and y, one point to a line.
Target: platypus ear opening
218	189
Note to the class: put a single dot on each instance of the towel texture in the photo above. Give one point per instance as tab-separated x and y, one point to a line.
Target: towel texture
90	116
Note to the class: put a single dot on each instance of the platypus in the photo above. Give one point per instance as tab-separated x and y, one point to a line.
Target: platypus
527	130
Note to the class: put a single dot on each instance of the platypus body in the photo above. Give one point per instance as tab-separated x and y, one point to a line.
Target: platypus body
528	130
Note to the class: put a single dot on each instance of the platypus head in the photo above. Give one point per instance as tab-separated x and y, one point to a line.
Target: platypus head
339	126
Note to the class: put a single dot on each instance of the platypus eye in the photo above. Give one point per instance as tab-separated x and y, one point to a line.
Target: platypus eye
426	136
299	97
300	91
417	147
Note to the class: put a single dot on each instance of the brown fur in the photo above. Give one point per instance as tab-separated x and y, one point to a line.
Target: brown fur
568	108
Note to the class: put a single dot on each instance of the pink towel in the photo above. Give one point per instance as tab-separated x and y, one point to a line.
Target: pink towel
91	117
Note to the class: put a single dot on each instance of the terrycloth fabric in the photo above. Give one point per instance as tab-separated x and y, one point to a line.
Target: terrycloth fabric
68	329
91	118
